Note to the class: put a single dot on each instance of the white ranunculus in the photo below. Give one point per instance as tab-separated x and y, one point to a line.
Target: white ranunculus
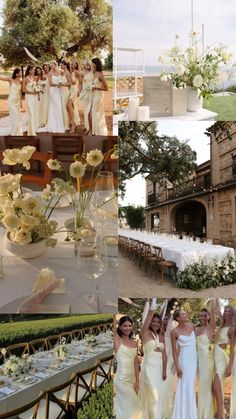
25	155
11	156
18	156
164	77
54	164
29	221
10	221
32	204
9	183
77	169
94	157
197	81
23	236
180	69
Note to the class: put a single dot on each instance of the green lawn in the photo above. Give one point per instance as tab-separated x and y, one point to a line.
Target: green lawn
224	106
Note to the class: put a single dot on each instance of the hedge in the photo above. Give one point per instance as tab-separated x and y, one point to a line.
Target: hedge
27	330
99	405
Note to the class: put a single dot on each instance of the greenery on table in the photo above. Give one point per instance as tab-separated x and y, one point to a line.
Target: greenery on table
224	106
199	276
99	405
27	330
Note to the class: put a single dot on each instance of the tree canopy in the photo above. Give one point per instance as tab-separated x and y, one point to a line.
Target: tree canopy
49	27
143	151
135	216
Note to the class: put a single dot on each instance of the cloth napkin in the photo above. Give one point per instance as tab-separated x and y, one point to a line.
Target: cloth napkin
7	390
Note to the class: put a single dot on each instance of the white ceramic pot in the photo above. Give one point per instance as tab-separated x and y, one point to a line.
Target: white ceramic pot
25	251
194	100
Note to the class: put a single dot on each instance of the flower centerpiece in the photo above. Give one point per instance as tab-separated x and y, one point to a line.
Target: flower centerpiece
198	71
90	341
13	366
61	350
29	228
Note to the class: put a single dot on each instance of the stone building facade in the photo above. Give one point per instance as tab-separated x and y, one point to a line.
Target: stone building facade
206	206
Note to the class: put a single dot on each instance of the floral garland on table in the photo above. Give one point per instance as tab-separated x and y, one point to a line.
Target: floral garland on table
190	68
201	276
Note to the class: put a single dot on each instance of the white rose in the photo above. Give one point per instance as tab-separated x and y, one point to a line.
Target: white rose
197	81
94	157
11	156
9	183
11	221
77	169
29	221
23	236
54	164
180	69
164	77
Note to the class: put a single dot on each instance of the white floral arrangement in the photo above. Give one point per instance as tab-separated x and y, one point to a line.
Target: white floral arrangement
200	71
61	349
90	341
23	215
13	366
105	338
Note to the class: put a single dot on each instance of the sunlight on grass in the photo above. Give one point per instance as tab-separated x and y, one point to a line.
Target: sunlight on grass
224	106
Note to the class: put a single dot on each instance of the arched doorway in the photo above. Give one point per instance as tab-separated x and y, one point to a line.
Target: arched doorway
190	218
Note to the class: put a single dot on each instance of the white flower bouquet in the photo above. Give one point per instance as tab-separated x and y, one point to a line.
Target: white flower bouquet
61	350
200	71
23	215
13	366
90	341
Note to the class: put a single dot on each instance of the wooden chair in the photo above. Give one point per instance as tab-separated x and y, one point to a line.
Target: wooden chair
160	262
28	411
104	370
57	408
78	334
36	344
52	340
18	141
18	349
64	149
67	336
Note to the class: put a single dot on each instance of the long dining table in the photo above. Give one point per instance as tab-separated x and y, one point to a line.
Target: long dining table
80	294
17	393
182	251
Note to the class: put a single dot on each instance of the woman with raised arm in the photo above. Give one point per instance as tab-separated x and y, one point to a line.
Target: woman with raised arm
225	337
204	336
14	100
185	360
100	86
29	88
153	370
128	404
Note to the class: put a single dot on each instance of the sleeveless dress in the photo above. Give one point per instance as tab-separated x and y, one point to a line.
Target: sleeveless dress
44	104
167	393
65	94
98	115
31	107
185	401
74	98
205	377
86	96
55	116
221	357
151	379
233	395
13	101
128	403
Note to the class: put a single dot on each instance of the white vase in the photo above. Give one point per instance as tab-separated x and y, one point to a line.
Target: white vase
194	100
25	250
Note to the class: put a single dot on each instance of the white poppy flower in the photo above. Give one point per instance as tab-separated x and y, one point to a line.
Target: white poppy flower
77	169
54	164
94	157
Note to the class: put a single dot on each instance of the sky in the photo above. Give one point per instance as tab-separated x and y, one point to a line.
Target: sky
192	131
153	24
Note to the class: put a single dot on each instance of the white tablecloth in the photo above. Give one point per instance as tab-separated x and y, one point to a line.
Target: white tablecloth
182	252
26	393
19	276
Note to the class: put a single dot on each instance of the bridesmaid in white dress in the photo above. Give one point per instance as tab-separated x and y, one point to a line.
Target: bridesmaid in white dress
40	80
65	92
225	339
14	101
168	384
185	360
45	98
204	336
55	115
29	88
128	403
153	370
86	95
73	105
100	86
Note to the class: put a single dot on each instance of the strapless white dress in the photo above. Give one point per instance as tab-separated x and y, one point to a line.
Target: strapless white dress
55	114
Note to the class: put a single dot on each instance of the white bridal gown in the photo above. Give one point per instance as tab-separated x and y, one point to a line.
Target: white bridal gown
185	401
55	114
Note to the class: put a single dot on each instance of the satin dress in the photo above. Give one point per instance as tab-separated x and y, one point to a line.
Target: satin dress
167	391
86	96
55	115
205	377
14	102
221	357
74	98
31	107
65	94
233	395
151	379
128	403
43	118
99	126
185	402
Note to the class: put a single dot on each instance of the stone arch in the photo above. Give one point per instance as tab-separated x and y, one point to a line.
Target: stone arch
189	217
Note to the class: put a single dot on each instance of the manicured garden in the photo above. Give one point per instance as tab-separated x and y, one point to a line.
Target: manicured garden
99	406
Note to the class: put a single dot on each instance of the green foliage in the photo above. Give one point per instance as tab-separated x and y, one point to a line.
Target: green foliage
108	65
135	216
200	276
28	330
99	405
47	28
143	151
224	106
